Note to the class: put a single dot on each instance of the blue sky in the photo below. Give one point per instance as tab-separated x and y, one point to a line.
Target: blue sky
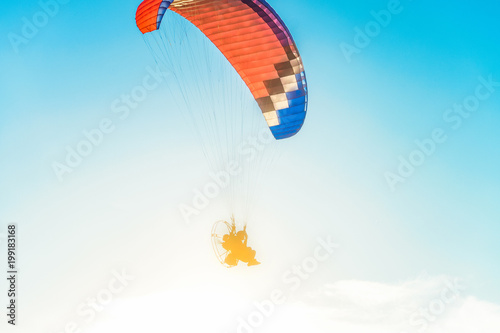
363	115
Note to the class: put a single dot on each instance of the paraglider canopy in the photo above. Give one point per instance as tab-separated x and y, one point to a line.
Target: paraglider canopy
257	43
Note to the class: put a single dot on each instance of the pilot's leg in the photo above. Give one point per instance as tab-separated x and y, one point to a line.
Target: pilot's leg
231	260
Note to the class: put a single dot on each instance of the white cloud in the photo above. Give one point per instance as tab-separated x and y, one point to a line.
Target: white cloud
432	305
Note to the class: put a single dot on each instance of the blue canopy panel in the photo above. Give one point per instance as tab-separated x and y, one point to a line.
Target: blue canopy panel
161	11
292	118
